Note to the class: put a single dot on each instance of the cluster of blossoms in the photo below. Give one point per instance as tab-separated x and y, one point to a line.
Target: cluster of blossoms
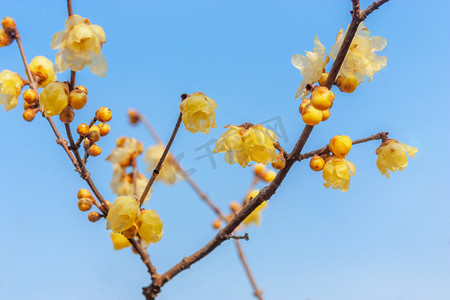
170	172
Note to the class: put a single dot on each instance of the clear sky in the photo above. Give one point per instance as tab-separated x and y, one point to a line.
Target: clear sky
383	239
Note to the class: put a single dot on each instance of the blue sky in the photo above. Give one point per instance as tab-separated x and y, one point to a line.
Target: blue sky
383	239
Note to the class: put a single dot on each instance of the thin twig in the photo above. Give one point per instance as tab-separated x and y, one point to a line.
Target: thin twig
252	186
375	5
81	138
257	292
161	160
325	149
69	7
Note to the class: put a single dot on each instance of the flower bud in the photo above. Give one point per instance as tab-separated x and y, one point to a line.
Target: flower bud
322	98
302	106
269	176
130	232
280	163
323	79
67	115
325	114
103	129
84	193
94	216
94	150
93	136
316	163
217	224
340	145
83	88
86	143
9	24
235	207
83	129
347	84
42	70
259	170
77	99
103	114
84	204
94	128
30	96
29	114
5	38
311	116
54	98
133	116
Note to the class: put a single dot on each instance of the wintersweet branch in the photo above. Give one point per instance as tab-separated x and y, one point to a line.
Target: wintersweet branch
266	193
325	149
163	156
257	291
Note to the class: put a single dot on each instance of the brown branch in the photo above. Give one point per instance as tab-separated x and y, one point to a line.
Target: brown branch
375	5
257	292
81	138
325	149
161	160
69	7
140	249
72	80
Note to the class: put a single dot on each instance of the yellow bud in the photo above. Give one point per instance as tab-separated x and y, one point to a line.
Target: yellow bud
217	224
269	176
340	145
86	143
103	114
259	170
311	116
94	128
235	207
280	163
9	24
104	129
94	216
84	193
130	232
30	96
93	136
316	163
42	70
5	38
83	129
67	115
322	98
347	84
83	88
54	98
94	150
77	99
325	114
84	204
323	79
133	116
302	106
29	114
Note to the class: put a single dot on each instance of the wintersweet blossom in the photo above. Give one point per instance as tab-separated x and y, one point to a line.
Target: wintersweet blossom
123	213
361	60
310	66
198	113
42	67
80	45
119	241
169	172
337	172
54	98
122	184
255	217
10	88
392	156
150	226
127	149
246	143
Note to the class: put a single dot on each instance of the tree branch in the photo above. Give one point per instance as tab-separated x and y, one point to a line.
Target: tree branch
257	292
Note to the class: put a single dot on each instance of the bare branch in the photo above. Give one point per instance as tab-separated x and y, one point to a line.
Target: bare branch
375	5
257	292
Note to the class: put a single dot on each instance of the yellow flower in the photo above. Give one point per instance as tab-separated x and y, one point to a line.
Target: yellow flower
361	60
392	156
80	45
169	172
123	213
10	88
54	98
340	145
119	241
150	230
127	149
336	173
122	184
43	67
255	216
310	66
198	113
246	143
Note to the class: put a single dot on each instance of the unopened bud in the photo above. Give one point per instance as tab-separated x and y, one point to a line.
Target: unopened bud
84	204
217	224
83	88
67	115
30	96
103	129
303	105
269	176
235	207
93	136
316	163
322	98
77	99
325	114
259	170
280	163
9	24
94	216
94	128
311	116
86	143
29	114
5	38
83	129
347	84
103	114
84	193
323	79
94	150
133	116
